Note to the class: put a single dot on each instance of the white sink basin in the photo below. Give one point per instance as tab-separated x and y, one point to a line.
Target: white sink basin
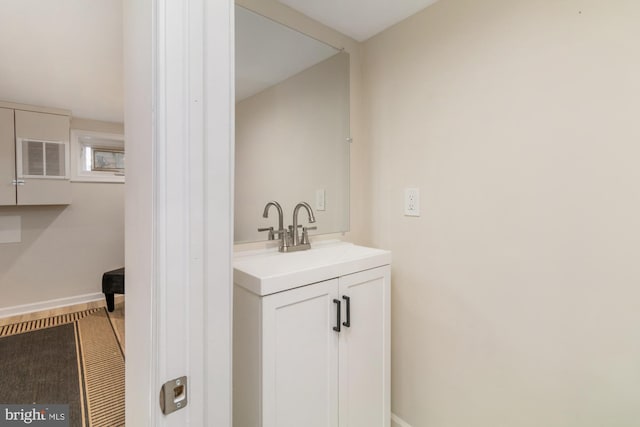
267	272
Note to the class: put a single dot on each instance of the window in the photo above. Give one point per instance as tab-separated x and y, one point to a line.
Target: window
97	156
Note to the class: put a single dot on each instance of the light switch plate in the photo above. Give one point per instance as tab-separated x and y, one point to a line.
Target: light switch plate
320	199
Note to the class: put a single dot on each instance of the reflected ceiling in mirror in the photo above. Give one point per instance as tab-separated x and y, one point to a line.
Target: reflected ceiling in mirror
292	127
268	53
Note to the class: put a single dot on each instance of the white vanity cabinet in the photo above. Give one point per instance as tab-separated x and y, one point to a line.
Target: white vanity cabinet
34	155
316	353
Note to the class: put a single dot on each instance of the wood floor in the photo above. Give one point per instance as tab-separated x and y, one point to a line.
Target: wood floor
117	320
116	317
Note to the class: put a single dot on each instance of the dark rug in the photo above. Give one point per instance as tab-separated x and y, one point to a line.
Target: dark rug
72	359
42	367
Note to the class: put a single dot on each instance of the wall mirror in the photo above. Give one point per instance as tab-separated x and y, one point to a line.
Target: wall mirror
292	127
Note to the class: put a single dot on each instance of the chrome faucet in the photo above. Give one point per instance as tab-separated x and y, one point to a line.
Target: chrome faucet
294	243
265	214
290	240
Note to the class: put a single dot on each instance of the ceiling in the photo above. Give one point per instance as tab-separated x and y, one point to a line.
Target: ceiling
268	53
358	19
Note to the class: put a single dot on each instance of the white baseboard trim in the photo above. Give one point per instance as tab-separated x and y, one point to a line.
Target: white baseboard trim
48	305
398	421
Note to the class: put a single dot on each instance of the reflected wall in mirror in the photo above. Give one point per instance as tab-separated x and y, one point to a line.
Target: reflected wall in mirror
292	127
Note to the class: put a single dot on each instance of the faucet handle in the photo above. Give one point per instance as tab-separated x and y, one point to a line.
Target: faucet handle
305	235
270	230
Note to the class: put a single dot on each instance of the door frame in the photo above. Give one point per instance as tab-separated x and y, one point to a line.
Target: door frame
179	132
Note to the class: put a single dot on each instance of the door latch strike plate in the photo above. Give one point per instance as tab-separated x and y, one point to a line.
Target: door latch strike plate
173	395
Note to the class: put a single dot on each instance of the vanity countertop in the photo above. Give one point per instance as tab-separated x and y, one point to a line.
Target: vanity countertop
268	271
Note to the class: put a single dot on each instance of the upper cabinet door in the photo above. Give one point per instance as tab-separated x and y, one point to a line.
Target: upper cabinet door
365	349
7	158
42	158
300	357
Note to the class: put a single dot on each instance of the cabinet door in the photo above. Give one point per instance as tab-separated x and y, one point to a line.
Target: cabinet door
42	157
7	158
365	350
300	357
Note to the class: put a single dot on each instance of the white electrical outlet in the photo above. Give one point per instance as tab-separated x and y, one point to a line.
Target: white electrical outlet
320	199
412	202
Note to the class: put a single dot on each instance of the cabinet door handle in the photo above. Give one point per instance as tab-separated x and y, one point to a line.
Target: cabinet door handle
337	327
348	322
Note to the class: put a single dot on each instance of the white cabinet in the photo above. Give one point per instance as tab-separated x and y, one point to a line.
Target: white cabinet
300	357
364	350
314	355
34	155
7	158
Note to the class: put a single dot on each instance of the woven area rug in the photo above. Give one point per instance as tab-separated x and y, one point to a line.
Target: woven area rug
73	359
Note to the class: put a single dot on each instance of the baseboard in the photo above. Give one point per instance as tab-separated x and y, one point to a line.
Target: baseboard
48	305
396	421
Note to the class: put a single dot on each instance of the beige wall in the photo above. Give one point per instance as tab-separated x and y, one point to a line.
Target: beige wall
290	142
65	249
515	295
